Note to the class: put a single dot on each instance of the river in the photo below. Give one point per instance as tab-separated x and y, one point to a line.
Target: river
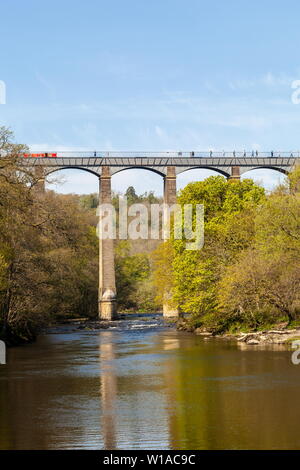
143	385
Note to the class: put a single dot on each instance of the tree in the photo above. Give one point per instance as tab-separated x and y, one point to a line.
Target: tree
131	195
259	290
294	180
229	228
48	251
263	284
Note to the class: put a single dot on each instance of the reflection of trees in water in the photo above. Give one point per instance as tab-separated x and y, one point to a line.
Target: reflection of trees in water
220	397
41	392
6	431
21	395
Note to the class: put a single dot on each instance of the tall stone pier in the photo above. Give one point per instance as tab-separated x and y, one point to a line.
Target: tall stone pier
235	173
39	174
169	311
107	278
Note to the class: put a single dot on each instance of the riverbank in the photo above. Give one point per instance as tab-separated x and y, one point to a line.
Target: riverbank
280	334
18	337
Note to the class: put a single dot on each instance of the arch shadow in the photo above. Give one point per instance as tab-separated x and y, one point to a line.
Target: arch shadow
71	168
153	170
217	170
279	170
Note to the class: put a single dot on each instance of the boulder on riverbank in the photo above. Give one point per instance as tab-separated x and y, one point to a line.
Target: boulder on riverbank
270	337
280	335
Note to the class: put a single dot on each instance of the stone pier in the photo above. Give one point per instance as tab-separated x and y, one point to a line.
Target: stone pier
235	173
169	198
107	278
39	173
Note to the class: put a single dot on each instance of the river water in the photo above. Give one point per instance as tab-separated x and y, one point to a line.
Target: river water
143	385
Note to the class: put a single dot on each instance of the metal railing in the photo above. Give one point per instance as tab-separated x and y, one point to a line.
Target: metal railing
171	154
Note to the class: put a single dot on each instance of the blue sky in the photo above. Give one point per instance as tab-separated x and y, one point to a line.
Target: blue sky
159	75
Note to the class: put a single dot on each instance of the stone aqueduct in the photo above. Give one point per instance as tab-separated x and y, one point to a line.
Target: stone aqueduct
168	165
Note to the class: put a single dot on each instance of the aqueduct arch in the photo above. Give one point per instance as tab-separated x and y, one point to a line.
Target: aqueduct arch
221	172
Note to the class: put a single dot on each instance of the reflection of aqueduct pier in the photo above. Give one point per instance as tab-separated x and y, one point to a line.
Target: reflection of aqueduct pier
166	164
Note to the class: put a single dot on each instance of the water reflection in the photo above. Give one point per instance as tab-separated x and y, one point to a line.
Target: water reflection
132	398
108	390
225	399
147	387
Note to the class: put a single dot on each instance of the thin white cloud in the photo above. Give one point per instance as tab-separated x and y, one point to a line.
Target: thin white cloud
269	79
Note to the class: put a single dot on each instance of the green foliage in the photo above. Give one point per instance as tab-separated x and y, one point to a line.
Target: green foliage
131	195
89	201
229	226
247	276
262	284
162	258
294	180
134	286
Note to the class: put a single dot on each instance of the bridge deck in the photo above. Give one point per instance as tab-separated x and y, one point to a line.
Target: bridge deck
159	161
